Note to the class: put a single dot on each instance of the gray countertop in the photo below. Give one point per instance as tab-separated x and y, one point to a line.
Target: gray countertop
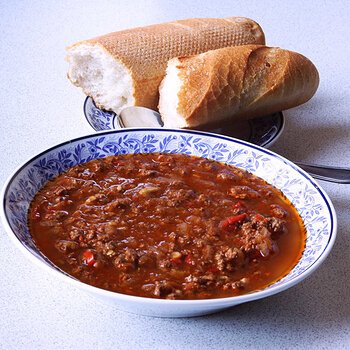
40	108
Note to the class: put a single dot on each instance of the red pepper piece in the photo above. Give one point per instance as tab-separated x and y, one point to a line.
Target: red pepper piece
213	269
89	258
176	261
239	205
258	217
189	259
233	219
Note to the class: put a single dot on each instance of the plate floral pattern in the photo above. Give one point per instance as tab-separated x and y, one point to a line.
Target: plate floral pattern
310	200
261	131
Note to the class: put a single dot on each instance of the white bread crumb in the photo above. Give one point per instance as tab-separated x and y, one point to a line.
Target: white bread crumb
101	76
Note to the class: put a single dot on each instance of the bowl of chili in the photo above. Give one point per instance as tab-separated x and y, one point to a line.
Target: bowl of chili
169	223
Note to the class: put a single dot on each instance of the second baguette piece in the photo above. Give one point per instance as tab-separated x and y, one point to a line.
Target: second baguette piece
234	83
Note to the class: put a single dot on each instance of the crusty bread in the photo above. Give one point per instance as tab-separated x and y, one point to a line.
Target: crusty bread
125	68
234	83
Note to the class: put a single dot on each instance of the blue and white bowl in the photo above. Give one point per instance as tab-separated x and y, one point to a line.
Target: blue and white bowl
309	199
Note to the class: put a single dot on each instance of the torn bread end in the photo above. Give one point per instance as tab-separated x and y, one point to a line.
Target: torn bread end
101	76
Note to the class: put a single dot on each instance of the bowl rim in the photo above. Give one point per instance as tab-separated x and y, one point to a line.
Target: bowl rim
220	302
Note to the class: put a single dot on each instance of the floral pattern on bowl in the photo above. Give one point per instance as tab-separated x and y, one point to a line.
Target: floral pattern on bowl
309	199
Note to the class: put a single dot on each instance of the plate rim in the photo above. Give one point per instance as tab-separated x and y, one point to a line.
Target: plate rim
280	125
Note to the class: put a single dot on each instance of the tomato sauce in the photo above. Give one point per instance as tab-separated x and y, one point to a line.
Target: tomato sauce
167	226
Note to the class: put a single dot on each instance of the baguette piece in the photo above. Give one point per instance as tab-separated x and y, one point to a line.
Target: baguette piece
234	83
125	68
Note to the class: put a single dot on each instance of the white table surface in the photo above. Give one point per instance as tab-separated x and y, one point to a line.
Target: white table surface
40	108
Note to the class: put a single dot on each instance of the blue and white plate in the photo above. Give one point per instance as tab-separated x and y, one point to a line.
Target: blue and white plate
260	131
309	199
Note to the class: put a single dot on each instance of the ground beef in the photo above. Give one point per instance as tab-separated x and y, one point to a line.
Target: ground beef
166	226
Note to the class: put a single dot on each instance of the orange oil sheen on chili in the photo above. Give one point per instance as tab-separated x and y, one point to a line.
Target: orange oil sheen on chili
167	226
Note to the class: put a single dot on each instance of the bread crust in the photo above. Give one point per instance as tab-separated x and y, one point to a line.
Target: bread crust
145	51
241	83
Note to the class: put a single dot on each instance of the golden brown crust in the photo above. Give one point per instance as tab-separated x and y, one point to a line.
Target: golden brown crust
243	82
146	50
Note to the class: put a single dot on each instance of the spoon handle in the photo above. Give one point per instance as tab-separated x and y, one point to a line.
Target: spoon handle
137	116
327	173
